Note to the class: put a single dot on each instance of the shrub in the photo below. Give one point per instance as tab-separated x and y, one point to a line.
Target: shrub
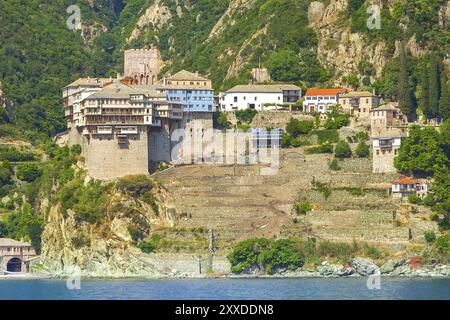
326	136
372	252
150	199
303	207
296	142
14	155
323	188
76	149
245	127
429	236
28	172
88	202
362	150
282	254
285	140
335	250
334	165
337	122
6	180
428	200
136	234
443	244
414	199
3	230
147	247
245	256
136	185
221	120
323	148
362	136
296	127
246	115
150	246
342	150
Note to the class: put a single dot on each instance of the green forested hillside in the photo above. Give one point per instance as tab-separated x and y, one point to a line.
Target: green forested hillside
39	55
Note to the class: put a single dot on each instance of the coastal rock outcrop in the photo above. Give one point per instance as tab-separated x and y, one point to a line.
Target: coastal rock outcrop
363	266
105	248
391	265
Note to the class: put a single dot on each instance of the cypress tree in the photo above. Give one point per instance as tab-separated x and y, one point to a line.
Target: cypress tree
434	86
425	96
405	93
444	102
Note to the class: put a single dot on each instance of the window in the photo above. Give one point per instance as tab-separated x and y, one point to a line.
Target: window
378	152
235	99
256	98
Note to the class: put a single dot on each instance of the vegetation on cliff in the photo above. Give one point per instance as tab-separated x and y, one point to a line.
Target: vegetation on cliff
425	152
272	256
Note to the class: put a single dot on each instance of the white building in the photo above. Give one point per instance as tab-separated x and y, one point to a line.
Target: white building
385	148
320	100
405	187
259	97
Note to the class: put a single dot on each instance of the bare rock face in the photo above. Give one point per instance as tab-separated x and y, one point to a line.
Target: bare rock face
90	32
339	48
316	11
156	16
104	249
234	7
411	46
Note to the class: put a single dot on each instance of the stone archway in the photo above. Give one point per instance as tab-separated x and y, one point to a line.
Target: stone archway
14	265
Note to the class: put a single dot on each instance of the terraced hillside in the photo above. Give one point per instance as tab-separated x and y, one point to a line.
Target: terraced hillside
239	203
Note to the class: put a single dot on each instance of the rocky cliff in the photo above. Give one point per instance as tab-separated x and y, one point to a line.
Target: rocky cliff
228	38
106	247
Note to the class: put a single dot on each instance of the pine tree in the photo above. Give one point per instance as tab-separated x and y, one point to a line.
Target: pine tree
444	102
434	87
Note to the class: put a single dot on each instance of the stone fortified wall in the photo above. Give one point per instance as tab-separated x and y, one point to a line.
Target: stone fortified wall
106	159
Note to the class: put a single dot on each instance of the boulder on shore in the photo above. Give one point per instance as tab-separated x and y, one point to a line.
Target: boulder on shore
363	266
391	265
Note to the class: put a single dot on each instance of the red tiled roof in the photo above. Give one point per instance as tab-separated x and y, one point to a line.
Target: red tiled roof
324	92
405	181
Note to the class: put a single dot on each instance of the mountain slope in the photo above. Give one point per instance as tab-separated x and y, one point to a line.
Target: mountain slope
312	43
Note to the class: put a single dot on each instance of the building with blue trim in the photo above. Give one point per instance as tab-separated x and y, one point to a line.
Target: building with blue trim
193	91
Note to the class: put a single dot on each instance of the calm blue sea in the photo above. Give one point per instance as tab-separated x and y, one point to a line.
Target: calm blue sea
227	289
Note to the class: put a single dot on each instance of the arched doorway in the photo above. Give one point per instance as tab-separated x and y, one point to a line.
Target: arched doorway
14	265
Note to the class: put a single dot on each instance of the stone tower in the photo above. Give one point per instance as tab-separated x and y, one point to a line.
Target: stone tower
143	65
260	75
